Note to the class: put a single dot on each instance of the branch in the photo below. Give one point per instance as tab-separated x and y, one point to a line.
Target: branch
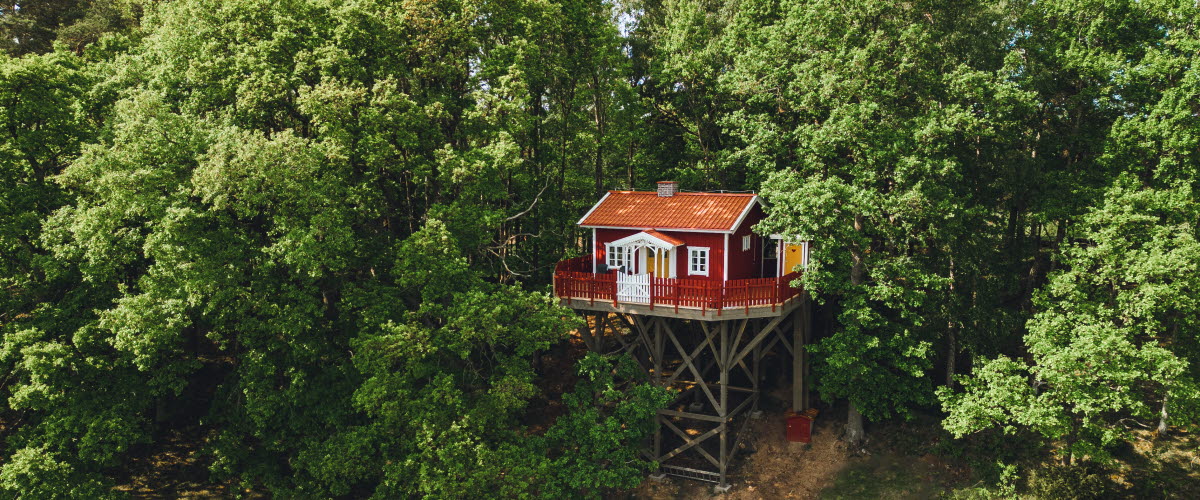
535	200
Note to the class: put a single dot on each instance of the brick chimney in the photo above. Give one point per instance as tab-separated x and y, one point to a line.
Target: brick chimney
667	188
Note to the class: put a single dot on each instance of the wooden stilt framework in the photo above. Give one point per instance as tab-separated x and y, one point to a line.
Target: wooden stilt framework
715	368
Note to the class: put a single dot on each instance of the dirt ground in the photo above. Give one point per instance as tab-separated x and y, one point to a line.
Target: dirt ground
826	468
775	469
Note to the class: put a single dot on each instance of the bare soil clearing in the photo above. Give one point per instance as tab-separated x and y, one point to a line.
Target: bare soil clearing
826	468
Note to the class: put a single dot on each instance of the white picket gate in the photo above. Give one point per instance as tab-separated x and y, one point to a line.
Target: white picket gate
633	288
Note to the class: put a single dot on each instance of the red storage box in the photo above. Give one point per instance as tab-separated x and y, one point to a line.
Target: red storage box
799	426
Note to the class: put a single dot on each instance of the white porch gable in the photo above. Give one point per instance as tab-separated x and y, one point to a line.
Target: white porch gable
645	251
645	239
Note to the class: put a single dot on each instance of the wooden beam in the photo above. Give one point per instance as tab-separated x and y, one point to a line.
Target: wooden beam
781	340
723	410
642	328
738	409
621	317
690	442
760	336
799	400
599	333
806	308
585	333
693	416
687	361
690	357
736	340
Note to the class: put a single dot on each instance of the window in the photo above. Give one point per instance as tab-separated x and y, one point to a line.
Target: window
618	256
746	243
698	260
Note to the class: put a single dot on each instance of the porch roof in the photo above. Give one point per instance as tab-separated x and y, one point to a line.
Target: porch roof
650	238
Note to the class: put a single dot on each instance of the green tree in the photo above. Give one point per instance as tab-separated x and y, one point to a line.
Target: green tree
1106	342
42	123
286	234
875	127
29	26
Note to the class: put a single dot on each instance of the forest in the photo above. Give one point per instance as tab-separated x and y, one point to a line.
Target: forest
318	235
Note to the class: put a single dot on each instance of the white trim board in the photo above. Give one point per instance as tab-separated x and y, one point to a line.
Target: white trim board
594	207
725	268
745	212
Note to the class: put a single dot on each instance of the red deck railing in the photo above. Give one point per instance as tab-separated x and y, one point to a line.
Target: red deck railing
574	280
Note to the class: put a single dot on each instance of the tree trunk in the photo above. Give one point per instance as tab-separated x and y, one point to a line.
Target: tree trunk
1162	418
1162	412
629	167
951	353
854	421
160	410
854	426
951	333
598	114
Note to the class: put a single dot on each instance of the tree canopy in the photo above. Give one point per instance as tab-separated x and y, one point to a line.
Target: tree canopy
322	231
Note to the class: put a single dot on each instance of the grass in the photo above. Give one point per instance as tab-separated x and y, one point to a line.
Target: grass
888	476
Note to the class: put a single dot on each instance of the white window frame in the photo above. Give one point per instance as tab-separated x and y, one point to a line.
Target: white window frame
691	264
617	256
746	243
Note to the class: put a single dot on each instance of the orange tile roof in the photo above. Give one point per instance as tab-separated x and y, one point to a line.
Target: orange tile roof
646	210
668	239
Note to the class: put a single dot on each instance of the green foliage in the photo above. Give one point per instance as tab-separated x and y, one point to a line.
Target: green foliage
1111	342
312	210
43	123
1076	482
36	473
316	229
863	123
596	445
1106	343
1095	346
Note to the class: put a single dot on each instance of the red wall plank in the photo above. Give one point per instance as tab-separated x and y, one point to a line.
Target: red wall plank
748	263
714	241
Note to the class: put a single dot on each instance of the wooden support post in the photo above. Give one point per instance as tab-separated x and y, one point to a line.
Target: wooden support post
585	333
799	394
709	358
755	362
656	350
807	319
723	411
598	332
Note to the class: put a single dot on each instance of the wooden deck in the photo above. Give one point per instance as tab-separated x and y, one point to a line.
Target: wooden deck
699	299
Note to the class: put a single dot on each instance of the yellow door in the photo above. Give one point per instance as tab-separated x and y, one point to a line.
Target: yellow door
659	262
793	256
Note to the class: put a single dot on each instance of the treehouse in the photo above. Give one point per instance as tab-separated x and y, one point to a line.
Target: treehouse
684	254
680	283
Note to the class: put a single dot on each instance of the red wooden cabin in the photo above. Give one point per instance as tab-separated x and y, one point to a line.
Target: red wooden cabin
689	250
